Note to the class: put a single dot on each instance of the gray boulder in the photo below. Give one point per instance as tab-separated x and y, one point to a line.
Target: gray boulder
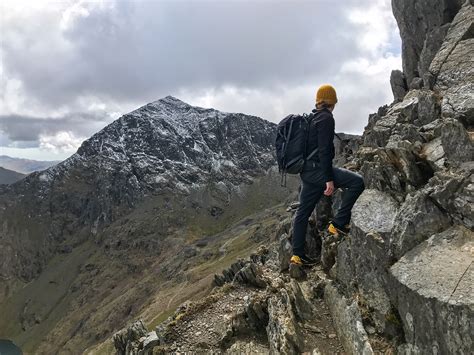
432	288
348	322
128	341
453	67
451	146
417	219
398	85
372	222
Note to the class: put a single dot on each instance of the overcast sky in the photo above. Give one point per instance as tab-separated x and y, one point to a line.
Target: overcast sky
69	68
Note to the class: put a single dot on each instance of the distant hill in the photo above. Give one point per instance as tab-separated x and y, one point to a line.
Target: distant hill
9	176
25	166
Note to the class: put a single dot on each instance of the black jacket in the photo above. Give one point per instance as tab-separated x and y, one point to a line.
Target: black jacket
321	136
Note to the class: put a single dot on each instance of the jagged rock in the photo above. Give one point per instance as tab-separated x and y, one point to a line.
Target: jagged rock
256	310
128	340
344	147
317	288
454	191
431	287
293	206
345	272
284	335
416	83
348	322
250	274
285	251
433	42
398	84
419	107
303	308
394	170
150	342
417	219
297	272
452	146
324	212
312	245
229	274
329	251
372	221
261	255
416	20
453	67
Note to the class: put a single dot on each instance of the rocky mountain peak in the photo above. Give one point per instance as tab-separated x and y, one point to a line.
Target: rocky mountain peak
170	143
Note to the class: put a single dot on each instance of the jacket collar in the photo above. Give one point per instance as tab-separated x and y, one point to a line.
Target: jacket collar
315	110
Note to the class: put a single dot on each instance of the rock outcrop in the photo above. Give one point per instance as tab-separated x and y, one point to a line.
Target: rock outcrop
408	259
432	288
422	24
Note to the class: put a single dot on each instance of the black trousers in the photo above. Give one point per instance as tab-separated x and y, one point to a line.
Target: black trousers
312	189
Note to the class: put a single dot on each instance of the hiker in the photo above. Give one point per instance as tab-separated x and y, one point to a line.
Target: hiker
319	177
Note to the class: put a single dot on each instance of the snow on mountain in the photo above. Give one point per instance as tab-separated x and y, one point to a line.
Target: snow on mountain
168	142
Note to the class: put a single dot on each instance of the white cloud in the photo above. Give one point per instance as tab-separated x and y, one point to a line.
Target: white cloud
378	26
61	142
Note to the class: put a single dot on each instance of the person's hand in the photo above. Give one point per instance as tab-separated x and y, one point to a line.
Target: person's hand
329	188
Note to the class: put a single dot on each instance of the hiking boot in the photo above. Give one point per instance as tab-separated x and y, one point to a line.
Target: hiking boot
337	231
303	260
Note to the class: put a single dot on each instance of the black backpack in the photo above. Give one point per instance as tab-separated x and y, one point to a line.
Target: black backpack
291	144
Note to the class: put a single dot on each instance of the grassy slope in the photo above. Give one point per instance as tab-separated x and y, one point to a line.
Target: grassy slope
9	176
169	250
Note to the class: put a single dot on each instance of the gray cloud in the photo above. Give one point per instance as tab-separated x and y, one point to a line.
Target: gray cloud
148	49
27	129
125	53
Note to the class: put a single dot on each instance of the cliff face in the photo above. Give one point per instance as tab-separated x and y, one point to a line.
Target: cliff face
402	280
423	25
410	253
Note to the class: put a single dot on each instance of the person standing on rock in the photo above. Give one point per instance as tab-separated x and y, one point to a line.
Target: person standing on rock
320	177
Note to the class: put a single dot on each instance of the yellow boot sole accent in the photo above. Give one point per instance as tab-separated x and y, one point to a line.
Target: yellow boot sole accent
295	259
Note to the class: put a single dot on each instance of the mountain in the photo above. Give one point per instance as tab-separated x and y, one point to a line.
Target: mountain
165	148
9	176
134	223
25	166
401	281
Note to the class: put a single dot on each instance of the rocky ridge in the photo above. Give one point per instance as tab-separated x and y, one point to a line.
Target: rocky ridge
402	280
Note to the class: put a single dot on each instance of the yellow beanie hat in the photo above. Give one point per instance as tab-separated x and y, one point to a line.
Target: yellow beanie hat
326	93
